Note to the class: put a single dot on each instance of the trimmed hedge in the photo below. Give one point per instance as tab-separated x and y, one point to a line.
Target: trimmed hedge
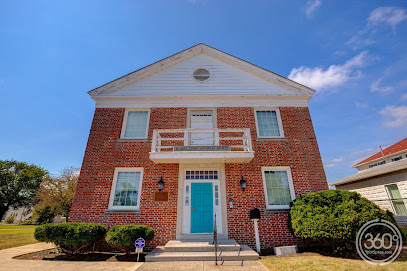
333	216
123	237
71	238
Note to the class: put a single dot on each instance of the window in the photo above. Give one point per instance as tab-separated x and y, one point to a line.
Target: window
396	158
268	123
396	199
126	188
135	124
278	187
202	175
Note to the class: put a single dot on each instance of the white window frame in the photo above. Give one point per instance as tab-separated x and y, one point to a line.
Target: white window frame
279	122
113	190
124	124
290	184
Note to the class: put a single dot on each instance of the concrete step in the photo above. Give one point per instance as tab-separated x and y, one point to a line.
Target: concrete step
196	246
160	255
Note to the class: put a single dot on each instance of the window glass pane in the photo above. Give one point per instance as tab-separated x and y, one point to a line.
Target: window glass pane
136	124
394	192
127	189
396	199
267	123
277	186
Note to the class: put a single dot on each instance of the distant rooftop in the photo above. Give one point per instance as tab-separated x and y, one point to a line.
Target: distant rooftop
395	148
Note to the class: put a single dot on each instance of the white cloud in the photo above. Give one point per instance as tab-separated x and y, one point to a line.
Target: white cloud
404	97
335	75
387	15
334	162
361	104
312	5
339	159
396	116
382	15
375	87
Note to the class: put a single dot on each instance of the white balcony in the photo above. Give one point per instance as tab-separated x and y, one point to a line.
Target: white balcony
201	146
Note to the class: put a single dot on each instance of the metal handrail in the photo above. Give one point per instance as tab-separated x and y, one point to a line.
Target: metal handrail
215	241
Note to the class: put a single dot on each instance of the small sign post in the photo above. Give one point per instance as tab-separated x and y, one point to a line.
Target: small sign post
139	244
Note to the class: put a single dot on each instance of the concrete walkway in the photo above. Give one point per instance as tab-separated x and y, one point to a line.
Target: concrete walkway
9	264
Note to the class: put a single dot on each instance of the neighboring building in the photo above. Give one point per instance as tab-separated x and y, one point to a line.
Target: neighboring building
382	178
21	214
200	120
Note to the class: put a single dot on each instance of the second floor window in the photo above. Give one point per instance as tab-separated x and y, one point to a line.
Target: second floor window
135	124
268	123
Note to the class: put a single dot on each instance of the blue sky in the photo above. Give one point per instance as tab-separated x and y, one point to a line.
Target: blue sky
354	53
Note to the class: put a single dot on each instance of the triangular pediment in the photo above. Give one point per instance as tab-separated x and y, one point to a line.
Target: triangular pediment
229	76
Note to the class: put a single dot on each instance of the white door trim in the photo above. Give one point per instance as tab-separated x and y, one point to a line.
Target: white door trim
183	230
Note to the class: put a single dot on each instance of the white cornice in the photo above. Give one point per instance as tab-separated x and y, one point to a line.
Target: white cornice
253	101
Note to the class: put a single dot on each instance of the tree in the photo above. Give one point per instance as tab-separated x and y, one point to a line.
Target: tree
19	183
57	192
333	217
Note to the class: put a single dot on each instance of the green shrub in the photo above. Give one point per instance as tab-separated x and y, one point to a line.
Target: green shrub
333	216
123	237
28	222
71	238
10	219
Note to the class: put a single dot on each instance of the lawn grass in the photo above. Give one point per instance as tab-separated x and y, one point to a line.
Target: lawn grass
316	262
15	235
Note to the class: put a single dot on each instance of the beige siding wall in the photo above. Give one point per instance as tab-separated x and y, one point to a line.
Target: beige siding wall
374	189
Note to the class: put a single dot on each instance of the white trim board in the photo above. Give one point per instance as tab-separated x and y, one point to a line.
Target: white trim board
142	102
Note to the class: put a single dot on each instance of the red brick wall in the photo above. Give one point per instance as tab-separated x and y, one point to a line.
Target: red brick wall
300	152
104	152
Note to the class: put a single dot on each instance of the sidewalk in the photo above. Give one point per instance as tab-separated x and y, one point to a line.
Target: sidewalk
9	264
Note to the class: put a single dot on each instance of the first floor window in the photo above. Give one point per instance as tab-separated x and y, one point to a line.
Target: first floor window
278	187
126	189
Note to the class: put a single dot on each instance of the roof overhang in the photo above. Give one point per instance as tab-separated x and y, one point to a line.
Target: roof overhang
373	172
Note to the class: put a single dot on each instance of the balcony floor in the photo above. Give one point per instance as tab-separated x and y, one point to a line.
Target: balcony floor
236	157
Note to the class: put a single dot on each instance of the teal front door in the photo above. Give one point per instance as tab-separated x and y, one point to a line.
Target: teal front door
201	208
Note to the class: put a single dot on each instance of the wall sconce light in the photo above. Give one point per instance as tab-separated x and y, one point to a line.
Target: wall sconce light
161	184
243	183
231	203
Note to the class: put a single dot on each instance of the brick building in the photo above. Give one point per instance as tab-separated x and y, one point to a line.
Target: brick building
223	135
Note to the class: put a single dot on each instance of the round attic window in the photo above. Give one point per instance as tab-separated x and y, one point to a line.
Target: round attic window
201	75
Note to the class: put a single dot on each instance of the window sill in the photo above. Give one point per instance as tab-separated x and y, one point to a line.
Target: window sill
122	211
133	140
280	210
272	139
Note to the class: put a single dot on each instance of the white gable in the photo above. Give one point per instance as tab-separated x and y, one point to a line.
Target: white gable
226	80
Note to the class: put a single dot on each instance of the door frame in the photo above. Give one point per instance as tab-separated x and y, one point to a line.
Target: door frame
184	212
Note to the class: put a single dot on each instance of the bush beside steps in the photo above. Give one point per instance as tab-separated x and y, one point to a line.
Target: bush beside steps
123	237
71	238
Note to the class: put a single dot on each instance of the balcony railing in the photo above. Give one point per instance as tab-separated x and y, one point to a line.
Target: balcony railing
228	145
